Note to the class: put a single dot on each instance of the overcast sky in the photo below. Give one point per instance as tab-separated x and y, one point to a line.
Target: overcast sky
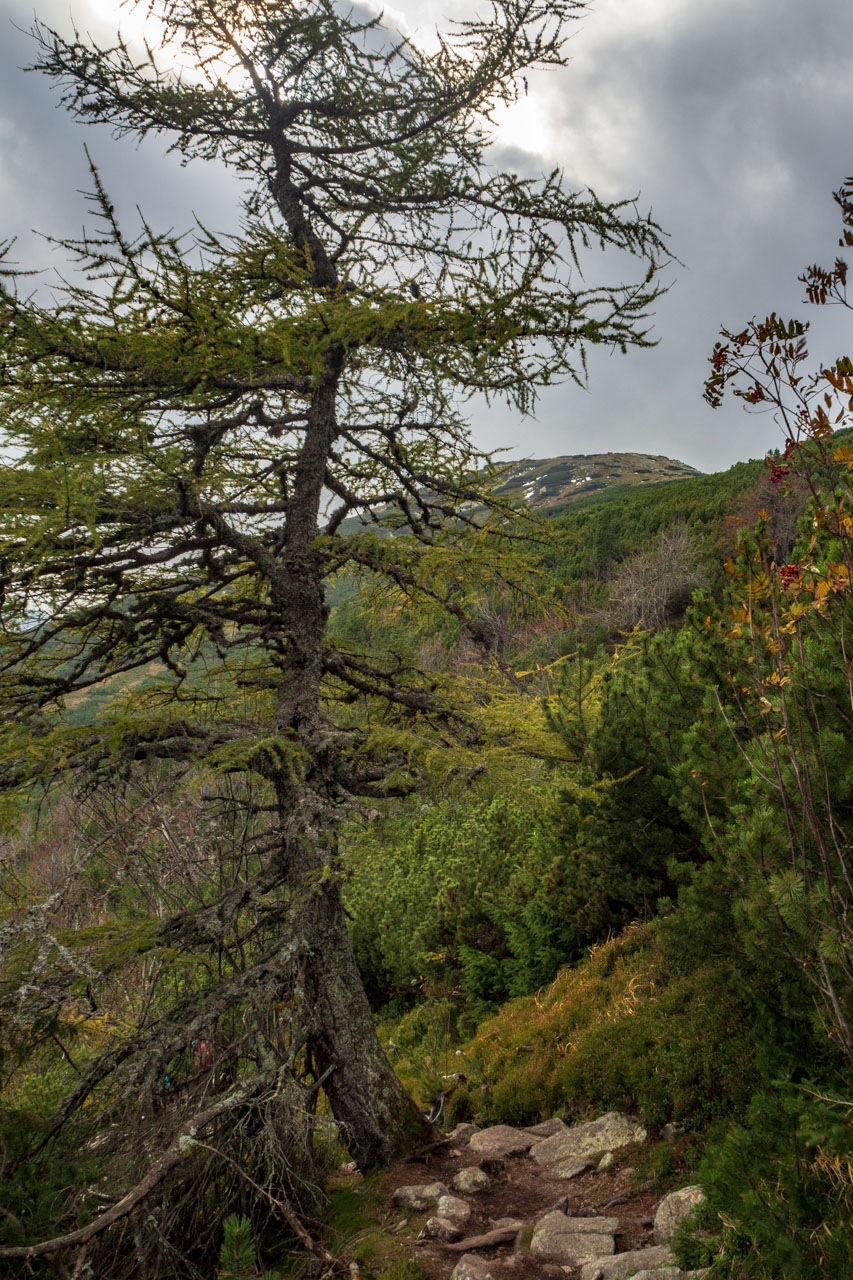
732	120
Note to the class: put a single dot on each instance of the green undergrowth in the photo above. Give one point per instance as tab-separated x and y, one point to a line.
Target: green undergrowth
456	898
353	1228
617	1030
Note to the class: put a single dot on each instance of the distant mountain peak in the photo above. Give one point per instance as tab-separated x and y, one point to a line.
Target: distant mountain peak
542	483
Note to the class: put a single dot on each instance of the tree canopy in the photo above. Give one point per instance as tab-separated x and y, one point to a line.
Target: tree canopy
187	424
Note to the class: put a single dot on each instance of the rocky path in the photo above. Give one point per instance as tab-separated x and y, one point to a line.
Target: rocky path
550	1201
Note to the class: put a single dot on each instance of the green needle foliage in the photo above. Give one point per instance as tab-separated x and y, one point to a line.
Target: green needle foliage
187	424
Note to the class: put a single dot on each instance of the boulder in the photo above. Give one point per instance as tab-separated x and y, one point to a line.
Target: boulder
568	1169
453	1208
669	1273
547	1128
573	1241
420	1197
659	1273
628	1264
673	1210
606	1162
471	1179
472	1267
461	1134
591	1140
501	1140
439	1228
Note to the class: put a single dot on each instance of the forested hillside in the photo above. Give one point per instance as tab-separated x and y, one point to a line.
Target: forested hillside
352	789
635	790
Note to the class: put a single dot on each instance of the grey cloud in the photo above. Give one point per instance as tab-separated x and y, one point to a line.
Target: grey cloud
732	120
737	124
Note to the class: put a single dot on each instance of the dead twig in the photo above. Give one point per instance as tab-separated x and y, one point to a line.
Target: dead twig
630	1195
286	1208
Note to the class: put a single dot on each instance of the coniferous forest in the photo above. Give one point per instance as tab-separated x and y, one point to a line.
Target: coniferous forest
346	797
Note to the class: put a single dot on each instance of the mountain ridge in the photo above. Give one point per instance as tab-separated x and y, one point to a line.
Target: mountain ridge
549	483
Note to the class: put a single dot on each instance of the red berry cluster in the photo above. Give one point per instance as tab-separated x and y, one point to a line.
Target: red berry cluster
777	474
788	573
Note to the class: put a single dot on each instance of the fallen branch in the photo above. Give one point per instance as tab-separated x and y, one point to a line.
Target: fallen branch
500	1236
286	1208
183	1139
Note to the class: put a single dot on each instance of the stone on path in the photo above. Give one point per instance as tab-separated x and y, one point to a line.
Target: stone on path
453	1208
568	1169
591	1140
623	1265
673	1210
669	1273
547	1128
462	1133
420	1197
607	1161
502	1140
439	1228
472	1267
573	1241
471	1179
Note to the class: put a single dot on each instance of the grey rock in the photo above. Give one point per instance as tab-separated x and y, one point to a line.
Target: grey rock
472	1267
591	1140
547	1128
462	1133
660	1273
501	1140
453	1208
623	1265
420	1197
606	1162
598	1226
568	1168
673	1210
670	1132
573	1241
439	1228
471	1179
559	1206
669	1273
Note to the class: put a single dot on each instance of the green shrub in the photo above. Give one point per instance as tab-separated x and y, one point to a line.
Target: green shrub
38	1185
685	1053
454	902
618	1030
781	1182
237	1254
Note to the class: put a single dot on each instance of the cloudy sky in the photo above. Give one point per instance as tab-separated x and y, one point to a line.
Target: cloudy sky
731	119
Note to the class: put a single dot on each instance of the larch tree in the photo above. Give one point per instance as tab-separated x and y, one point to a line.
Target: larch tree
189	425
